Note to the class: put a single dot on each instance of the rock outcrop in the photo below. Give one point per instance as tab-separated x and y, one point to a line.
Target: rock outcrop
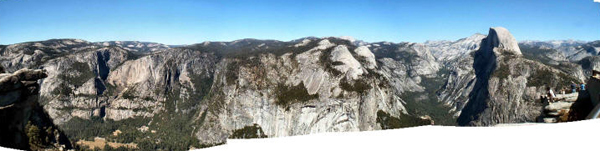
24	123
345	63
367	55
507	86
501	41
203	94
217	89
338	93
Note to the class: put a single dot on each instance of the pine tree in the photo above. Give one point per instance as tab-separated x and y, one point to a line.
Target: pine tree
33	134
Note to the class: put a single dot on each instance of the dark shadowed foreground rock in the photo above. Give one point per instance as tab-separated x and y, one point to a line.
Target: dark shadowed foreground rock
23	124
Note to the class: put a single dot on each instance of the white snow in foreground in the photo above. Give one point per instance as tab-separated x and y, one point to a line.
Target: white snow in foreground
582	135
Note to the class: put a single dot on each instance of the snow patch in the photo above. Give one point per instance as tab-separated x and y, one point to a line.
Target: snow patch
519	136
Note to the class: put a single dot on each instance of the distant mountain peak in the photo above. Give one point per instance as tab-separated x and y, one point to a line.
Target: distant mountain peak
349	38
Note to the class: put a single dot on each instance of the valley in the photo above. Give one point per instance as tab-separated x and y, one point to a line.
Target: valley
164	97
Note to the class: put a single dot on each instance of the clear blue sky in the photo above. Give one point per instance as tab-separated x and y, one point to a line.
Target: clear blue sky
188	22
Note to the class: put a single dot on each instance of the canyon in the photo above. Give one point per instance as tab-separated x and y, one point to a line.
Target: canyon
199	95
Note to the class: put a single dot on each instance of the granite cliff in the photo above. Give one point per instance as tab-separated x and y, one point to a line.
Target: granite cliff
177	98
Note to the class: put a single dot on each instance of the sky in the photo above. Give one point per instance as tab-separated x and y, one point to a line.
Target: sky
189	22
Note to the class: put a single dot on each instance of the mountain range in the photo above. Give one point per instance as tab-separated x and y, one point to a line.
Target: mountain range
183	97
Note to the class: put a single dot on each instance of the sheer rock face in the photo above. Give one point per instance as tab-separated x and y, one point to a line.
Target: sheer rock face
405	64
457	58
501	41
304	86
461	79
330	73
226	86
77	82
509	71
253	97
506	85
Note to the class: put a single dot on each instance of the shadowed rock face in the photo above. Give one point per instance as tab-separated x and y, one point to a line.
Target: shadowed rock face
502	41
215	88
202	94
20	112
484	64
507	86
17	86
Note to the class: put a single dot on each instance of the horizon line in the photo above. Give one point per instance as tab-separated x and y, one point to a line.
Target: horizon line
265	39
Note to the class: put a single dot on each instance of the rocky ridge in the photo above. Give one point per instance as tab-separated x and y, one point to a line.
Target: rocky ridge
507	85
286	88
267	88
